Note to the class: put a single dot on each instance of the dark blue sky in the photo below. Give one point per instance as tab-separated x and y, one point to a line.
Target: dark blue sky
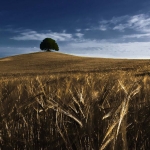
101	28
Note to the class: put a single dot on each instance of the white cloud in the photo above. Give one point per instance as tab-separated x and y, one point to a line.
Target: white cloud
95	48
80	35
87	29
103	27
115	20
139	24
78	30
145	35
120	27
64	31
34	35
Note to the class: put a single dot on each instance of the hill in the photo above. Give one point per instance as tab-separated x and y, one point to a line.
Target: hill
52	62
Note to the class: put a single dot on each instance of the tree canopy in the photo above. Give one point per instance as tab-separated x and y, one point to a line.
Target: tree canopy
49	44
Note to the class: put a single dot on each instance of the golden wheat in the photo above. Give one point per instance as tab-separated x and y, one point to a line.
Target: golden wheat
75	111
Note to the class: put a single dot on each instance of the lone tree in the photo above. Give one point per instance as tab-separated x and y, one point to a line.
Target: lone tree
49	44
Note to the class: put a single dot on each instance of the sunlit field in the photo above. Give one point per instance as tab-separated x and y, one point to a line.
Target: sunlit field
74	103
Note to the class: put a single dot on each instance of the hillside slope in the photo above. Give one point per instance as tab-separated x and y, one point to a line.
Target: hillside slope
52	62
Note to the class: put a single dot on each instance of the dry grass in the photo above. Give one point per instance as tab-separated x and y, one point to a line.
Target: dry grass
75	111
51	62
90	111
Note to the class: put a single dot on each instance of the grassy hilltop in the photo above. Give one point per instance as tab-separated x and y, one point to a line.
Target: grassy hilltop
58	101
52	62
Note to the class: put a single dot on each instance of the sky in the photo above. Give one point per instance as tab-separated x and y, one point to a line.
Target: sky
93	28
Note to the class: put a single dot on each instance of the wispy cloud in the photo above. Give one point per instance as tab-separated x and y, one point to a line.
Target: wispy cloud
140	23
114	20
120	27
10	28
114	23
137	26
78	30
102	27
80	35
58	36
94	48
144	35
34	35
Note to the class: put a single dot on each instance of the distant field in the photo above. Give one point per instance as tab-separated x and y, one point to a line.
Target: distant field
51	62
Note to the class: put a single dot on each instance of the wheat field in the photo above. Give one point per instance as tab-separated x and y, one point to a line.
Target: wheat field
95	104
